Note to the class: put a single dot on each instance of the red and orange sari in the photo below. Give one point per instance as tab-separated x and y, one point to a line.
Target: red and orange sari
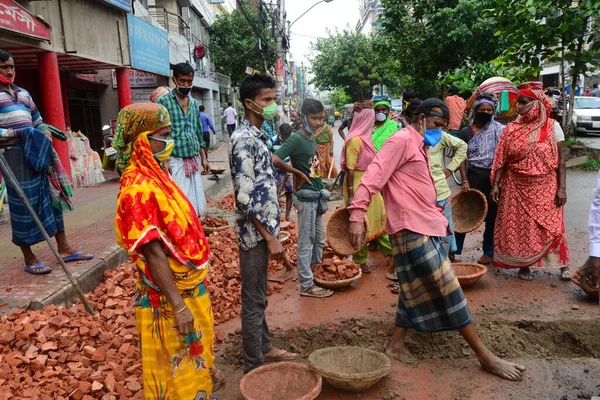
530	229
152	207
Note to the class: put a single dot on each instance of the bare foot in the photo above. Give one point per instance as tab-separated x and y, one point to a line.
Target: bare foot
525	274
504	369
565	274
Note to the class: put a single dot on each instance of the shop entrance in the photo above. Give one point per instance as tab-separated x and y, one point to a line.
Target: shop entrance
84	110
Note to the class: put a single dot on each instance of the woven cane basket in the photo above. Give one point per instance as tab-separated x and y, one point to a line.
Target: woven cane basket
350	368
468	273
469	210
338	233
339	283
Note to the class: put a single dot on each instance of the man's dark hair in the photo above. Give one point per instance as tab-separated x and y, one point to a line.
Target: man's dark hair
182	69
312	106
453	90
251	86
229	104
410	111
411	94
202	108
285	130
4	55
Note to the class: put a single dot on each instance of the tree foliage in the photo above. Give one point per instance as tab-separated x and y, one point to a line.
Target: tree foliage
338	98
347	60
234	44
546	31
433	38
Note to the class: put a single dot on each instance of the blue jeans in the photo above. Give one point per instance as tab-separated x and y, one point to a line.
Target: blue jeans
311	241
448	241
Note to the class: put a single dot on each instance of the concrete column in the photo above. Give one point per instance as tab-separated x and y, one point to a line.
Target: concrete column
123	87
54	112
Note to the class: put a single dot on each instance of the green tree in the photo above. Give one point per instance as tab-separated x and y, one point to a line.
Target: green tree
549	31
234	44
338	98
347	60
433	38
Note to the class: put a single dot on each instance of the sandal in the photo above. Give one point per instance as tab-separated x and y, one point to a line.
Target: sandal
565	274
279	355
78	256
525	274
392	276
485	259
395	288
38	269
316	291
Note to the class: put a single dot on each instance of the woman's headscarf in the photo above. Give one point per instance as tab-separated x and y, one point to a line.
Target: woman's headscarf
387	129
151	206
131	122
362	127
159	92
536	119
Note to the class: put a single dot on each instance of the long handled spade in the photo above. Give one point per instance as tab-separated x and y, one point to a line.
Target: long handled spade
10	178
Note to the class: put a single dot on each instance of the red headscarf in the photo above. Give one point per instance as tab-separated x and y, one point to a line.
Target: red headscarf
537	118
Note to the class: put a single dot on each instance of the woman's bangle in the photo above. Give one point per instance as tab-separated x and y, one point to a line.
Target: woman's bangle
181	310
561	190
495	184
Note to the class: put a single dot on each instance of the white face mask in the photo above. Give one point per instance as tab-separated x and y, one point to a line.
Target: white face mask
380	117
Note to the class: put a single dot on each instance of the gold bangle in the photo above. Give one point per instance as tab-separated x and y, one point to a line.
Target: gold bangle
181	310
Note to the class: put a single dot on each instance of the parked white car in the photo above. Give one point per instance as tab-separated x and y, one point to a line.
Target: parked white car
586	115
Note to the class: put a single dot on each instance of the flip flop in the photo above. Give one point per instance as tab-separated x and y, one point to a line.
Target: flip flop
3	222
38	269
391	276
78	256
279	355
316	291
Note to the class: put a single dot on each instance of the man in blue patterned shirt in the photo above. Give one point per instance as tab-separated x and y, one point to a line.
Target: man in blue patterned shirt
186	130
257	214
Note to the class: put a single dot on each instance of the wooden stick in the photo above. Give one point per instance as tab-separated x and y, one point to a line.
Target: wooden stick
331	161
10	178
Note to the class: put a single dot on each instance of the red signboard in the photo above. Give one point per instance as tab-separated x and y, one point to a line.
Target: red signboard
16	19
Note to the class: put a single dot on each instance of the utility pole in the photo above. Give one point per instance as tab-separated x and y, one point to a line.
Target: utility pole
279	20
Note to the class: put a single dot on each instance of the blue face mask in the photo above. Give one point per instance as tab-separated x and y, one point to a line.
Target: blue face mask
432	136
307	127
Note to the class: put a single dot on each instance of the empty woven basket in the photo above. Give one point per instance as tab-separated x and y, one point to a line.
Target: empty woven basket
338	233
468	273
469	210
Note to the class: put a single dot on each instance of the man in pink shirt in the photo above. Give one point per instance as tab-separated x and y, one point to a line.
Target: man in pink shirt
431	299
457	106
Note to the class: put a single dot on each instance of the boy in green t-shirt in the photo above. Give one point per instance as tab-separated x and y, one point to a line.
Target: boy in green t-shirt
301	148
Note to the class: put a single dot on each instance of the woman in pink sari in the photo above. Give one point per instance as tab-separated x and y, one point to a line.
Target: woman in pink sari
357	154
529	182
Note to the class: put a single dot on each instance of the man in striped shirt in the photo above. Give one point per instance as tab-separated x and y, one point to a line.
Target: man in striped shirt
21	122
186	130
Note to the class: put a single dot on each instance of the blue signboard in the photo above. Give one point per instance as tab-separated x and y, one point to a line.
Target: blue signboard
122	4
148	47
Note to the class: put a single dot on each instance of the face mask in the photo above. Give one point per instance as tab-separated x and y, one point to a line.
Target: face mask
432	136
6	80
269	112
482	117
307	127
380	117
184	90
164	154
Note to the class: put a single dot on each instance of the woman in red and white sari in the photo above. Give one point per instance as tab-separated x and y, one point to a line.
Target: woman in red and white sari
529	183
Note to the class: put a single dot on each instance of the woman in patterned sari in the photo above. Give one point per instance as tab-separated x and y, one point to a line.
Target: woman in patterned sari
529	184
325	149
159	228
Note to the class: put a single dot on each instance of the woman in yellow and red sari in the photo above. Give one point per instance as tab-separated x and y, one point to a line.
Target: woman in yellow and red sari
325	148
529	183
159	228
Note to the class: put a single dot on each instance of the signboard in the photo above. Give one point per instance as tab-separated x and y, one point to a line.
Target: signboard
137	79
122	4
15	18
148	46
141	95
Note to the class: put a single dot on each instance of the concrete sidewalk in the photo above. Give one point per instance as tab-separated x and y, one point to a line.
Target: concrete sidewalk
90	229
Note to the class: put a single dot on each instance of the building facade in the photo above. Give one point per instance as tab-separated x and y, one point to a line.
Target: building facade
370	11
